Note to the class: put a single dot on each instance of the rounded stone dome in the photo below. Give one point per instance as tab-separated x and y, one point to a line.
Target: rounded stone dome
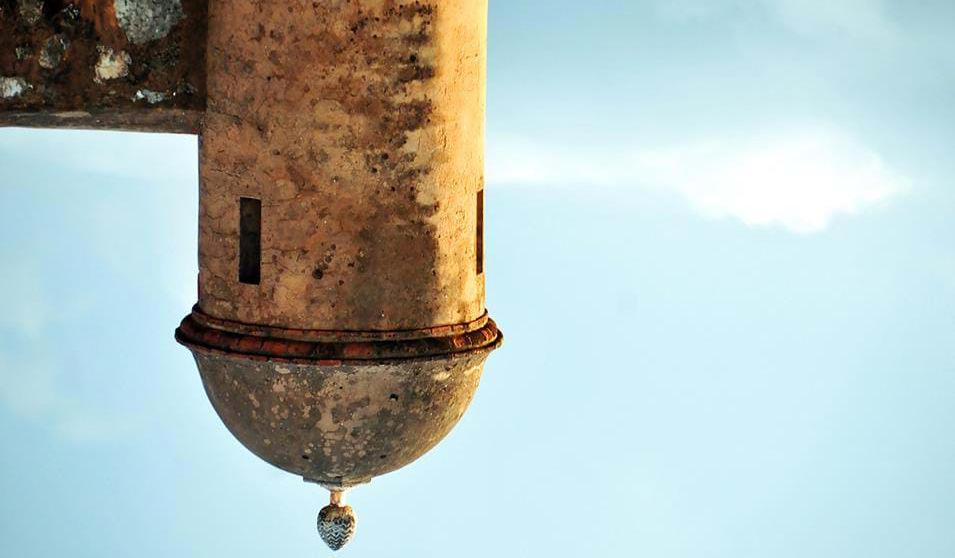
337	413
340	425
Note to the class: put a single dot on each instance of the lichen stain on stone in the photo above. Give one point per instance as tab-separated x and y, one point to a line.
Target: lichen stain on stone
30	10
111	65
321	422
147	20
12	87
53	51
151	97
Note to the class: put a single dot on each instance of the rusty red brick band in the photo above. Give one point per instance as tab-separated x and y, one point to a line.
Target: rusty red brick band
335	336
196	335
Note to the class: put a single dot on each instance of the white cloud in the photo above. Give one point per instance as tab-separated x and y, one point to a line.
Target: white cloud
799	179
862	19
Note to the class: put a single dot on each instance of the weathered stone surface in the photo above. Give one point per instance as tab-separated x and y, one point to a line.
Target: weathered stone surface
92	57
147	20
13	87
111	65
337	411
30	11
360	127
340	425
160	119
53	52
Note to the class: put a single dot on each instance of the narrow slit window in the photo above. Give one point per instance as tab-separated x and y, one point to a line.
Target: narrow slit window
479	243
250	241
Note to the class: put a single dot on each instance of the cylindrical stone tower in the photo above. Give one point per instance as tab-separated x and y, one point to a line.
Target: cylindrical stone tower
341	328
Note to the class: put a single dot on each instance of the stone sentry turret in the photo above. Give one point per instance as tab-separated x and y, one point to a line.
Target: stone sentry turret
340	330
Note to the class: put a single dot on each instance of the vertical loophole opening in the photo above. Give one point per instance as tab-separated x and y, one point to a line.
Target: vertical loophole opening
250	241
479	241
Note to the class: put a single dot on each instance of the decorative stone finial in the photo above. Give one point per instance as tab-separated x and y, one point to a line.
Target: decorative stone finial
337	522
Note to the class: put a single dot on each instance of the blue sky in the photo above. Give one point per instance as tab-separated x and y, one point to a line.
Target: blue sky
719	244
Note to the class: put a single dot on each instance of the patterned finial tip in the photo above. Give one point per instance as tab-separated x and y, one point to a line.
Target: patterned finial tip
337	523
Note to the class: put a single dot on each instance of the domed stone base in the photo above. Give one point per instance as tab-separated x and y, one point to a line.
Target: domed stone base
338	422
